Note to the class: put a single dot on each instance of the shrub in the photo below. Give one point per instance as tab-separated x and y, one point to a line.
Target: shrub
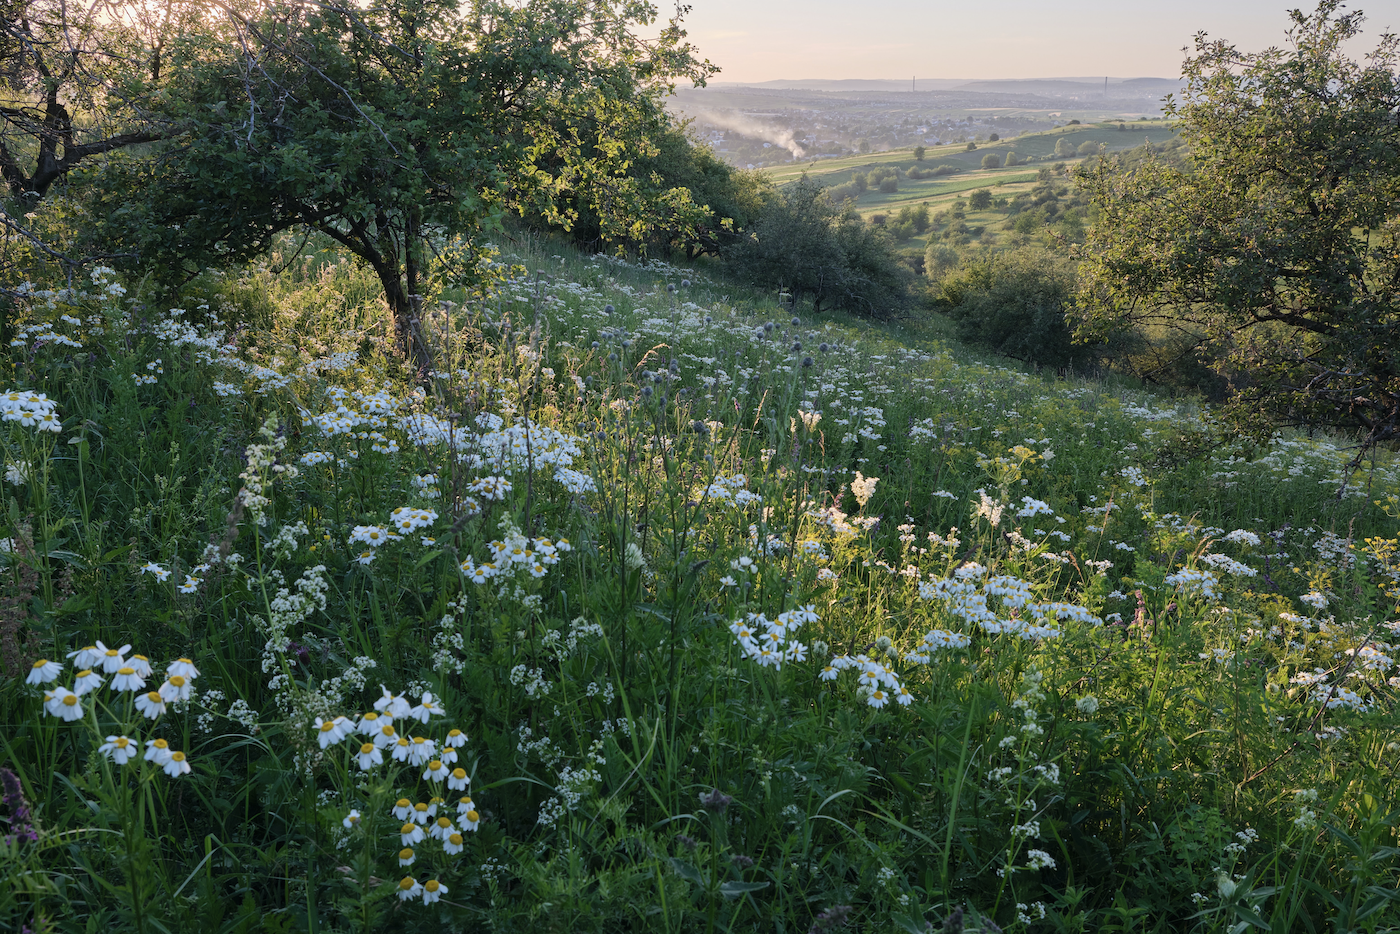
946	170
889	186
980	200
991	161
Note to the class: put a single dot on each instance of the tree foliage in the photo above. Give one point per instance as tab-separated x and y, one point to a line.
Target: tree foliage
397	127
1279	247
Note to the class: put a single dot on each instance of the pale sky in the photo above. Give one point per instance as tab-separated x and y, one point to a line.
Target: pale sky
761	40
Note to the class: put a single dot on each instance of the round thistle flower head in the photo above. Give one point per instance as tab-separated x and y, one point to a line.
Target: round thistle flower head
406	856
126	679
453	845
403	809
120	749
409	888
63	703
177	765
86	681
458	780
432	891
45	671
150	704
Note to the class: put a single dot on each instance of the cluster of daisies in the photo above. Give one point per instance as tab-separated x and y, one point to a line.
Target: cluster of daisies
402	521
30	410
192	580
875	680
773	642
435	819
514	553
129	676
966	594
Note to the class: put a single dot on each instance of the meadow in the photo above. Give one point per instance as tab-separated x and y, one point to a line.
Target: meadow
659	604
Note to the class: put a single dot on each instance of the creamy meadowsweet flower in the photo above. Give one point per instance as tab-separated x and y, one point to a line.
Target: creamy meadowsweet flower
177	765
112	659
432	891
184	668
43	671
436	771
157	751
441	829
453	845
455	738
141	665
175	688
61	702
150	704
458	780
86	681
406	856
409	888
120	749
369	756
403	809
409	834
421	812
352	820
126	679
385	736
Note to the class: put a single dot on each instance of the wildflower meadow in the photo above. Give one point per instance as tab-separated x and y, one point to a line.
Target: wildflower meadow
656	604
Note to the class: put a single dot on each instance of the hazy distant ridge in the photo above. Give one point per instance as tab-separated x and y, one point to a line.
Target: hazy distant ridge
1052	87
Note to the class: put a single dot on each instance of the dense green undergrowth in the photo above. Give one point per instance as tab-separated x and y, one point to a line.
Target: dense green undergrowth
750	620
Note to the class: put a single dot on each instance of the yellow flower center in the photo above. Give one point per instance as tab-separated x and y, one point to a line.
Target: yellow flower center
435	766
473	816
407	883
153	697
444	822
112	653
432	885
420	807
407	828
121	742
126	671
454	734
86	672
41	663
327	727
162	744
366	748
403	742
177	681
406	853
459	773
455	839
177	756
69	700
387	730
403	803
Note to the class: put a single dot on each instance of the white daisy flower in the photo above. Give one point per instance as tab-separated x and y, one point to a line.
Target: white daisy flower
86	681
112	658
432	891
352	820
150	704
177	765
458	780
453	844
157	751
403	809
184	668
436	771
441	829
126	679
410	834
43	671
120	749
409	888
61	702
369	756
175	688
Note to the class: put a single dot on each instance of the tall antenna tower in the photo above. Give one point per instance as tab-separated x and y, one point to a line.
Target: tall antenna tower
1105	88
911	85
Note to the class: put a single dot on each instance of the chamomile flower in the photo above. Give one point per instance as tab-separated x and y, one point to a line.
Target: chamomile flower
86	657
458	780
371	722
61	702
441	829
352	820
150	704
433	804
402	748
829	673
470	819
421	813
464	804
403	809
43	671
409	888
126	679
184	668
877	699
161	574
453	844
426	709
157	751
86	681
455	738
432	891
369	756
406	856
396	707
112	658
436	771
385	736
120	749
176	688
448	756
330	732
421	750
177	765
904	697
409	834
141	665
